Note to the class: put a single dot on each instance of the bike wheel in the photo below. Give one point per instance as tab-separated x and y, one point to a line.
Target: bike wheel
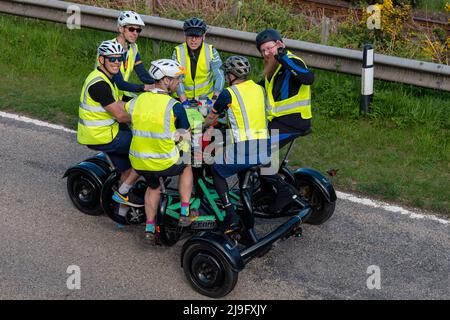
261	201
169	232
134	215
208	270
321	209
84	192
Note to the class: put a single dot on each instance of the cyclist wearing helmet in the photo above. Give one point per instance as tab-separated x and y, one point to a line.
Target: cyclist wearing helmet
130	25
243	104
204	79
156	116
100	113
287	81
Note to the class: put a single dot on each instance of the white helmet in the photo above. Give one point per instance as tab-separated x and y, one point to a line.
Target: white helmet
110	47
129	17
165	68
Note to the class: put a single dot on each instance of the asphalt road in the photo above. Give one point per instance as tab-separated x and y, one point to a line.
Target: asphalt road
42	233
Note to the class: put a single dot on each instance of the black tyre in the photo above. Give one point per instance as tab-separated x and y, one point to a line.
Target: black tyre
322	210
111	208
169	232
84	192
261	201
208	271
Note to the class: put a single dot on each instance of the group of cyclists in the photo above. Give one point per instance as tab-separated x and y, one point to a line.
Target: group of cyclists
145	128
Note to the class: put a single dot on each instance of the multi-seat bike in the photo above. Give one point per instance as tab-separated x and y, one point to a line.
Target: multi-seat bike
211	259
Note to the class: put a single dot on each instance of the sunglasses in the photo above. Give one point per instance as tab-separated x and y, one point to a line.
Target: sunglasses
133	29
114	59
268	49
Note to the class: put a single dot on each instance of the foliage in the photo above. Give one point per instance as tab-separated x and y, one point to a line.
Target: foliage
398	152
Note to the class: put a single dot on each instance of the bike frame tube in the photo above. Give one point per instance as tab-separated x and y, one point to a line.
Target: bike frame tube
251	252
220	215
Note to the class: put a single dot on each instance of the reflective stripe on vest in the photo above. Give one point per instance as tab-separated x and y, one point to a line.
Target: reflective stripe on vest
126	72
167	134
152	146
95	124
247	109
291	106
92	108
130	61
142	155
299	103
202	84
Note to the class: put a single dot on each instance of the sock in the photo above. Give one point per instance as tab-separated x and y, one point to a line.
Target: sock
185	209
150	226
124	188
123	210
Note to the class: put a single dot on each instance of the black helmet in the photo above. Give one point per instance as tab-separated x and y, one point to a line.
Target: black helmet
266	36
237	65
194	27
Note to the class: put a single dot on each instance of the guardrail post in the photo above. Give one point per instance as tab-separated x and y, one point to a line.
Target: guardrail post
366	79
414	72
326	22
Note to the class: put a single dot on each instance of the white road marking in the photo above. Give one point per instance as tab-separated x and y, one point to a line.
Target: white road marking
388	207
341	195
34	121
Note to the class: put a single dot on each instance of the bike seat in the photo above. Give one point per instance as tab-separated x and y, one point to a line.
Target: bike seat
259	166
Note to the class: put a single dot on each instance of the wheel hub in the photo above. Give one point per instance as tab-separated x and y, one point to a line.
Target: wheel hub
207	270
84	192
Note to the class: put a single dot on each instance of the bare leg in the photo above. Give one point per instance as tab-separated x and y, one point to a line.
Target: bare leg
185	184
152	197
129	177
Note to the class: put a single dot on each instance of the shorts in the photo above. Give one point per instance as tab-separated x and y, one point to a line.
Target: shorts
244	155
152	177
289	127
117	150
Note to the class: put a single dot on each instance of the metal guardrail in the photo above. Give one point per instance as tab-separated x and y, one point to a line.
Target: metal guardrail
420	73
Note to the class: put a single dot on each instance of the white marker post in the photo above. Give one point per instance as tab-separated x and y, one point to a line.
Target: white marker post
367	79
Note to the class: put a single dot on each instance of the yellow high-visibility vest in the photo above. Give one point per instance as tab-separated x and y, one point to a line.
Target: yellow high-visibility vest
246	114
299	103
152	146
95	124
202	85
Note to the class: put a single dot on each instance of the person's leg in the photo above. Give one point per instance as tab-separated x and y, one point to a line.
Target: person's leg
127	179
120	158
123	194
185	185
221	186
152	197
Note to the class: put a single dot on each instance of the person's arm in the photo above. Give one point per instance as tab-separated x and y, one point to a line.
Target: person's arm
296	67
117	109
219	108
218	75
181	124
180	88
181	119
101	93
127	86
141	72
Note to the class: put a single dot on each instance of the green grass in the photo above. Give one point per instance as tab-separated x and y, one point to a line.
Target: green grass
431	5
400	152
